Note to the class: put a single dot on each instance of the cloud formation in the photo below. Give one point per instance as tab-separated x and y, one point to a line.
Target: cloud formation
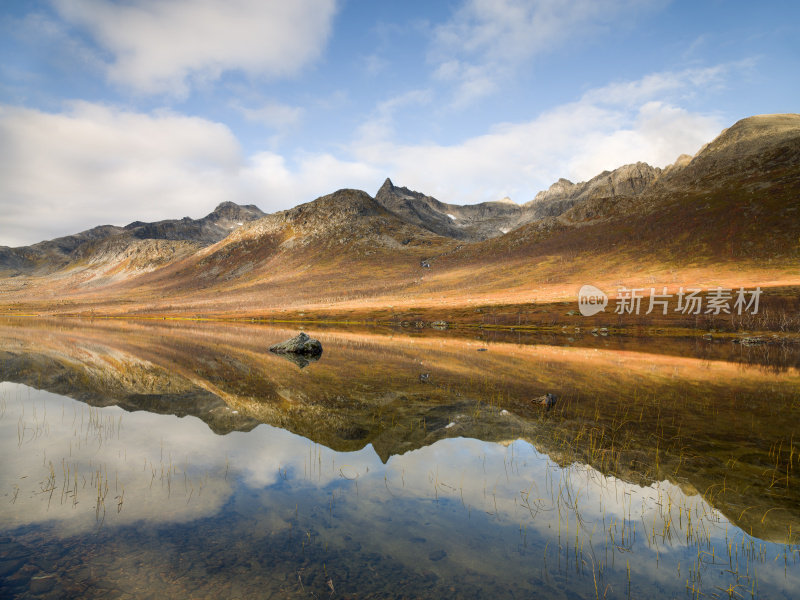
486	40
61	173
607	127
167	46
93	164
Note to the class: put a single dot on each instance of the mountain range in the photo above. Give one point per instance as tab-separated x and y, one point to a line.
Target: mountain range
486	220
51	255
727	216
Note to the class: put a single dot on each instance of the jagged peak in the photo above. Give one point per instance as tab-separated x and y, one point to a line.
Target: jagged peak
387	188
680	162
559	187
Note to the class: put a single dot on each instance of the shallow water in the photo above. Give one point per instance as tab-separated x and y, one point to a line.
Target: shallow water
181	460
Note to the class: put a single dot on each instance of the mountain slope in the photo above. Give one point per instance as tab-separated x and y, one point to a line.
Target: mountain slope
478	222
340	245
728	216
207	230
628	181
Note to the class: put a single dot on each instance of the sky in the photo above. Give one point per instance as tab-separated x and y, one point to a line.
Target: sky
116	111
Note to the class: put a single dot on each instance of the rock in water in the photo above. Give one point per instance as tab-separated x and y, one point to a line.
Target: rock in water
300	344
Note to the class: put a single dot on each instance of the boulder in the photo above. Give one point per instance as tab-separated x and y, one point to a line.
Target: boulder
548	400
300	344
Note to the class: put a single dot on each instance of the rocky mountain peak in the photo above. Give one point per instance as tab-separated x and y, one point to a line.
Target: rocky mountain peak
746	148
681	161
558	189
627	180
470	222
225	204
333	209
232	211
224	207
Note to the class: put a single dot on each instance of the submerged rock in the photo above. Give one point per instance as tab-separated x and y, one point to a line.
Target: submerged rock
437	555
300	344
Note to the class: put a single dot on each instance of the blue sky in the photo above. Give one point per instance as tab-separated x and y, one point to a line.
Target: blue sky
148	109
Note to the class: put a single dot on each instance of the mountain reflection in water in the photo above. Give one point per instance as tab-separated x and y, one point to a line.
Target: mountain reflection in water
186	460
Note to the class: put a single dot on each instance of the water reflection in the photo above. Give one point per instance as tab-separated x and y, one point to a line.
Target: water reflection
451	485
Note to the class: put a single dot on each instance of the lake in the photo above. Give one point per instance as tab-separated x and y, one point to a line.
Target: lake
178	459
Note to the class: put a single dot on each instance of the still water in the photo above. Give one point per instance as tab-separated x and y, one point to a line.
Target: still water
151	459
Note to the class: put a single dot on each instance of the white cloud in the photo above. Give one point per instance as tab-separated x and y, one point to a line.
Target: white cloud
381	123
654	85
61	173
94	164
486	40
132	449
164	46
608	127
657	134
271	183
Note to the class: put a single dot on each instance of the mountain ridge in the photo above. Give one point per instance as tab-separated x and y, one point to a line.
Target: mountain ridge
728	210
50	255
471	222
